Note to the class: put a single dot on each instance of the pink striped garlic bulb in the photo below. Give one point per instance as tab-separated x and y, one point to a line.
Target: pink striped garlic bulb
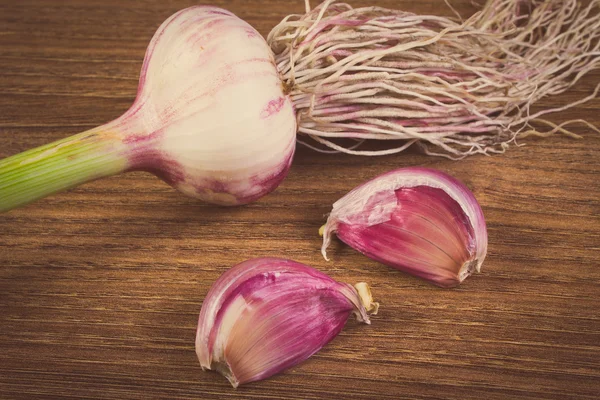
211	119
211	102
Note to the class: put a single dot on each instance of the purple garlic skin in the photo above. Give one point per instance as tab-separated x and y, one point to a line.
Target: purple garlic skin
268	314
418	220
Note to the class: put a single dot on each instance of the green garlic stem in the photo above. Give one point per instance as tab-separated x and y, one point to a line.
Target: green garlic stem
61	165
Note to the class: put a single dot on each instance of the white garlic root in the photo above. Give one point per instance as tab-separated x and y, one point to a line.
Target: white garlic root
454	88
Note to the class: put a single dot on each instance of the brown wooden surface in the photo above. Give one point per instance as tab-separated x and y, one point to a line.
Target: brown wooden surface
100	287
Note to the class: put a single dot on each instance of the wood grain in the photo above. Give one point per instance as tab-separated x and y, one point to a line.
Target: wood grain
100	287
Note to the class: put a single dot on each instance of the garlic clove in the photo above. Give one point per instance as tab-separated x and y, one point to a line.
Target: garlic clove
268	314
417	220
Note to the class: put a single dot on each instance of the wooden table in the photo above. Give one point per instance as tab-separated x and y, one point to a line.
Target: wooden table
100	287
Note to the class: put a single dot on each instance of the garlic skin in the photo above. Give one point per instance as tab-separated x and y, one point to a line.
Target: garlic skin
211	117
268	314
418	220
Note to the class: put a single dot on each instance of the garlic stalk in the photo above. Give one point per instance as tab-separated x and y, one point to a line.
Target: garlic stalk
417	220
268	314
210	118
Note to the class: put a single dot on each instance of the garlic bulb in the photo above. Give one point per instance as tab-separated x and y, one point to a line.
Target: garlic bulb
268	314
417	220
210	118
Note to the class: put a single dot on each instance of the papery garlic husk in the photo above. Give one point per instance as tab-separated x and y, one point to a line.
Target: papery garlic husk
418	220
268	314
